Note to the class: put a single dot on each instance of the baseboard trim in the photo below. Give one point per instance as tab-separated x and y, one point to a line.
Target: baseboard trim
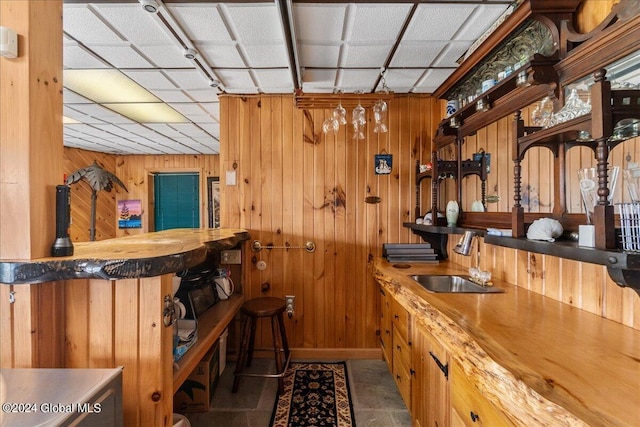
326	353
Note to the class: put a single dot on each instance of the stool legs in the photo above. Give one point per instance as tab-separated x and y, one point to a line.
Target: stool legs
280	349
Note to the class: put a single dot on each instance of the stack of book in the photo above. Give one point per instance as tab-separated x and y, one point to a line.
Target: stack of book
409	252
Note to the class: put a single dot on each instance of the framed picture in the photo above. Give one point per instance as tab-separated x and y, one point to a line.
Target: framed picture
383	164
129	214
213	192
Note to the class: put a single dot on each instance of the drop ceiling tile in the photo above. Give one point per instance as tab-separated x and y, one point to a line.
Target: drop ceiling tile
82	24
318	55
432	80
165	55
352	80
319	22
70	97
189	129
164	129
212	108
483	17
225	56
201	22
122	56
322	81
366	56
236	79
212	128
187	108
203	95
266	56
450	54
78	57
378	22
200	118
188	79
152	80
171	95
417	54
275	81
133	22
255	22
76	112
437	21
400	80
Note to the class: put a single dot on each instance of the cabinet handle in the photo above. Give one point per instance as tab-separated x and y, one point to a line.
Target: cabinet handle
395	316
387	331
474	417
412	371
398	347
443	368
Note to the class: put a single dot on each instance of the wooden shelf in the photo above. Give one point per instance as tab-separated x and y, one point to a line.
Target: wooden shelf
211	324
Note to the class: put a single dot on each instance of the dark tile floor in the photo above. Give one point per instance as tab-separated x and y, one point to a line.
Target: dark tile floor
376	400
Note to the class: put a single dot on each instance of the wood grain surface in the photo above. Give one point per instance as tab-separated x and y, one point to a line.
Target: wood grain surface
543	361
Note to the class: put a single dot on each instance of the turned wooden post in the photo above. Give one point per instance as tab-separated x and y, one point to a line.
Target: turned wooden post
517	213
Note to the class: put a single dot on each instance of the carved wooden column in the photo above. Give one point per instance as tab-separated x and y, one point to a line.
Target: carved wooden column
601	131
31	157
517	212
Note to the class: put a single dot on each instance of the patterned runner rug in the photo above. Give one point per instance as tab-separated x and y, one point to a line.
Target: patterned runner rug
315	394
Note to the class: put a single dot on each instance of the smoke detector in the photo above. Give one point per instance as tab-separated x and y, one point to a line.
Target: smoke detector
150	6
190	53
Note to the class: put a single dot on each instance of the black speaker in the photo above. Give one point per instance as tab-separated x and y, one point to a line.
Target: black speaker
62	245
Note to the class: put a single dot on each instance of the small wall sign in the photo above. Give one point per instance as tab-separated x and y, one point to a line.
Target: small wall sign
383	164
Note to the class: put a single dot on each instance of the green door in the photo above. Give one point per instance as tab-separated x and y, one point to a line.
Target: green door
177	200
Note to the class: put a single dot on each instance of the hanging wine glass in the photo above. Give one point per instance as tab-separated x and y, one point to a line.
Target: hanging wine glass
380	116
340	114
330	125
358	120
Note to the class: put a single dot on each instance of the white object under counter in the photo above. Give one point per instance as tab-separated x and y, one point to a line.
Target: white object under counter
61	397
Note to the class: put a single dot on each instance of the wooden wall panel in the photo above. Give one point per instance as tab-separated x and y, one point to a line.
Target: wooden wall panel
106	211
583	285
119	323
134	172
296	184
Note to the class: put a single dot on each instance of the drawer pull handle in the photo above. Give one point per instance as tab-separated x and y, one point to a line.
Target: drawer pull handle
474	417
398	378
443	368
398	347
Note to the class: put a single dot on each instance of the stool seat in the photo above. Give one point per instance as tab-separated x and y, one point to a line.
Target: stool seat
254	309
263	307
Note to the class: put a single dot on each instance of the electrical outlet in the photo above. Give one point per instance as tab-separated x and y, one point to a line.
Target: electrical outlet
230	257
290	303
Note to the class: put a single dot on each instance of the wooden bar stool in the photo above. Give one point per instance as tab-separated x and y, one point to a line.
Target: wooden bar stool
254	309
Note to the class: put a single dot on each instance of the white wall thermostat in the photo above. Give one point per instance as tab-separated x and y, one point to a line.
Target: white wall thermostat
8	43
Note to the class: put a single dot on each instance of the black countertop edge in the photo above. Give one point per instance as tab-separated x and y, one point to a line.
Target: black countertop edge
68	268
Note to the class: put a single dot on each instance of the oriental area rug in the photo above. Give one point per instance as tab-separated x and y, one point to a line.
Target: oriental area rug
315	394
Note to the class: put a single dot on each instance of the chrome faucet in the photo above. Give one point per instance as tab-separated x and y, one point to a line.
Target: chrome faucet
464	247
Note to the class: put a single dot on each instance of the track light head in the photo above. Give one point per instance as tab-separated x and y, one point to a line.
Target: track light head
150	6
214	83
190	53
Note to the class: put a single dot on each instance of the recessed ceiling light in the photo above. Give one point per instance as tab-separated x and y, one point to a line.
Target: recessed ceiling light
148	112
108	85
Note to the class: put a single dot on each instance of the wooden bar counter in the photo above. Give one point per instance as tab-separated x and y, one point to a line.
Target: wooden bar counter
111	311
539	361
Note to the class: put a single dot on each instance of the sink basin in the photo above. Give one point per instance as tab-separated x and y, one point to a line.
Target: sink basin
452	284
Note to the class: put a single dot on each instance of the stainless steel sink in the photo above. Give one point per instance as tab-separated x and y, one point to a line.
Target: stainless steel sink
452	284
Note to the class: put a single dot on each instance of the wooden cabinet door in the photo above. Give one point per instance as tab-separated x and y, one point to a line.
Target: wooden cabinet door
385	326
469	407
430	401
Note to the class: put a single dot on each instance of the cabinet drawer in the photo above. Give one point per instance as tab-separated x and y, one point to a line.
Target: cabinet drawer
401	351
403	380
400	319
470	406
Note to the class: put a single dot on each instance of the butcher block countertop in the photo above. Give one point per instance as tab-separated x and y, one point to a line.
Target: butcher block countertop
141	255
543	362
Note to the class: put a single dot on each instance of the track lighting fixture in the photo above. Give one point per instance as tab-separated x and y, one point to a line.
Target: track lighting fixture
190	53
150	6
